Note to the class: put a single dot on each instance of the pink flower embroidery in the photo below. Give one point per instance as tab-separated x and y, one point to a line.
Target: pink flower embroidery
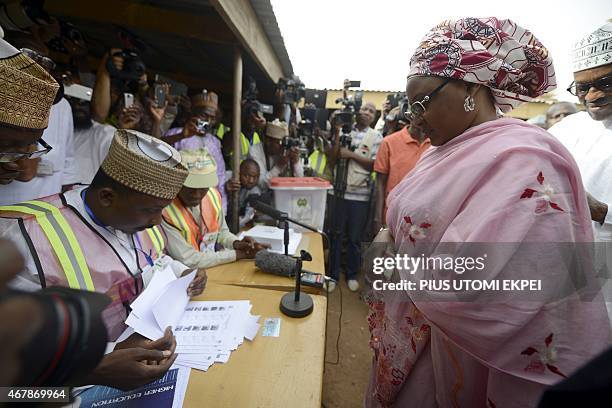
544	196
543	359
417	332
416	231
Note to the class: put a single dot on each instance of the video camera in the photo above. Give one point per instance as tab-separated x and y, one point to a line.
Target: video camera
350	107
202	126
399	115
252	105
293	89
311	119
289	142
395	99
70	341
133	66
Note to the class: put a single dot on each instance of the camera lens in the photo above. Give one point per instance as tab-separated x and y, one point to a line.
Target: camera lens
71	341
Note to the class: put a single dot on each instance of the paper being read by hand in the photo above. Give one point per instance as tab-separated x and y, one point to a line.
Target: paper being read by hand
161	304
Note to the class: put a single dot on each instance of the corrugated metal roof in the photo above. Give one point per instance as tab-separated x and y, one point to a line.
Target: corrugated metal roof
365	90
265	14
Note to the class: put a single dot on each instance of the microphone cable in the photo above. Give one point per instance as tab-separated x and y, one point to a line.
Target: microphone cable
339	287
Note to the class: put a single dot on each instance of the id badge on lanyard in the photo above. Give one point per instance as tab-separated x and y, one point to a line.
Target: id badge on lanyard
158	265
208	242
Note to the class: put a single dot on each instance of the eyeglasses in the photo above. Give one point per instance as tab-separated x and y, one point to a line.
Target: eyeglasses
46	63
418	108
582	88
7	157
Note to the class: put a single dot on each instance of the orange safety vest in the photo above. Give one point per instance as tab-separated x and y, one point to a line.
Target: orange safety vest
211	210
69	252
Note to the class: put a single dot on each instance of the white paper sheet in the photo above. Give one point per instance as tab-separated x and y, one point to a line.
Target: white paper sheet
162	303
274	237
170	306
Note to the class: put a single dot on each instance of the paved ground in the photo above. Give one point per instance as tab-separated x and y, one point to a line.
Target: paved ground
344	384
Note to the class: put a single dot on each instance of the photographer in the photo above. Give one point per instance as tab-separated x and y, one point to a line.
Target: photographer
121	76
252	123
287	95
386	109
273	158
196	134
350	210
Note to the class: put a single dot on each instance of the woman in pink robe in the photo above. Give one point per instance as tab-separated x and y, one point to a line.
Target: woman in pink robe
495	188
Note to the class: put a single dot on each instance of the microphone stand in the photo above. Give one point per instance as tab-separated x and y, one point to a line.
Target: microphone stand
296	303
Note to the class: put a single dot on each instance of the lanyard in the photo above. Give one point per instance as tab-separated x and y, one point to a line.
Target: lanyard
148	256
99	223
90	213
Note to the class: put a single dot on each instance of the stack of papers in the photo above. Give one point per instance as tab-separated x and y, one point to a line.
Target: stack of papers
274	237
206	332
210	331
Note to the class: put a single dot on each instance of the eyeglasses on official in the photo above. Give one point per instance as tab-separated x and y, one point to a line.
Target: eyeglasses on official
580	89
6	157
418	108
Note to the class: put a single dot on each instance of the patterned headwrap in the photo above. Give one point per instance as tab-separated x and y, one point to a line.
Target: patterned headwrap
496	53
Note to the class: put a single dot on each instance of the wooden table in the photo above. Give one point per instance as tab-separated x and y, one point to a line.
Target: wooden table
284	371
245	273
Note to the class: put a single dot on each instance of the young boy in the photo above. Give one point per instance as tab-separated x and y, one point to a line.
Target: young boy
249	176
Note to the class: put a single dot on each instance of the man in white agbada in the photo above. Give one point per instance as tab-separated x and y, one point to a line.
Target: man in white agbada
588	136
92	140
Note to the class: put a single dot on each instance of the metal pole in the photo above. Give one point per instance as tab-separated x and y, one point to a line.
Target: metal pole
236	130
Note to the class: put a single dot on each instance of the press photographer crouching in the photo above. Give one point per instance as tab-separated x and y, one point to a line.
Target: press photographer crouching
274	158
352	154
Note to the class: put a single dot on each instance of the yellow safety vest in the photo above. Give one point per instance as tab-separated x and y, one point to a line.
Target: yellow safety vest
64	243
62	240
211	209
221	130
157	239
318	162
245	146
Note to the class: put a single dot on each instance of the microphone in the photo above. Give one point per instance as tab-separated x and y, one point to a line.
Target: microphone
276	264
254	201
279	264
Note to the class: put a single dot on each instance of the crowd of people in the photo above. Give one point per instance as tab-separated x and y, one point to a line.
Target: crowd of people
107	178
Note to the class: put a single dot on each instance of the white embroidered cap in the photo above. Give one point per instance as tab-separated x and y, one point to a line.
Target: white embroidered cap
594	50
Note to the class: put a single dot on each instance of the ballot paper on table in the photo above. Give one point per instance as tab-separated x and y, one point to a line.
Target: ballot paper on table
274	237
210	331
206	332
